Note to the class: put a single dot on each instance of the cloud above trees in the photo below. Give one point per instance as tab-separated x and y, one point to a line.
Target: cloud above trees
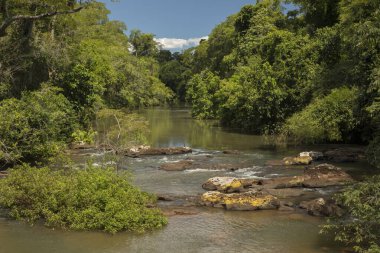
173	43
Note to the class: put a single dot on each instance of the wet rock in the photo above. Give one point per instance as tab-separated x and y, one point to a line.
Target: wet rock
315	156
223	184
341	155
281	182
248	201
322	207
147	151
324	175
231	152
177	166
298	160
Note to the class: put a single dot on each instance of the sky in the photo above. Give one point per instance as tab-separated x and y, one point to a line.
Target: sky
177	24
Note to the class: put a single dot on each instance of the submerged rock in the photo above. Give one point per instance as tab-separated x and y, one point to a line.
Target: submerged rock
248	201
299	160
231	152
146	151
177	166
322	207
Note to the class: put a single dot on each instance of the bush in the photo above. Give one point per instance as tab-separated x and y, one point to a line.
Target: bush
330	119
361	228
91	199
35	127
373	152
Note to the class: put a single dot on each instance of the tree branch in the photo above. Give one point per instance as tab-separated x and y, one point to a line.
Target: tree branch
9	20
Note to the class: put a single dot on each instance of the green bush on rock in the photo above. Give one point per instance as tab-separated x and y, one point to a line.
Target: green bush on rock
95	198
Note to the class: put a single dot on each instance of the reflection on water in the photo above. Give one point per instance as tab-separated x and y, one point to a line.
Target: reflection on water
209	231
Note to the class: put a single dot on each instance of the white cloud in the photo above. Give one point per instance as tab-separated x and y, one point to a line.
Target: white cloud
172	43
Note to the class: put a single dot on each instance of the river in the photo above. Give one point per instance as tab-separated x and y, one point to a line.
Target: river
210	230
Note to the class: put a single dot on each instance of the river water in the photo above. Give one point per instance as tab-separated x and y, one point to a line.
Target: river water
210	230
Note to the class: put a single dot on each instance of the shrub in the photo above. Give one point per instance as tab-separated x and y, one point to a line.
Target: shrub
91	199
330	118
361	227
35	127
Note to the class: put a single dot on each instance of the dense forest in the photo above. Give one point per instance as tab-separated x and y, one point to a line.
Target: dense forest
305	76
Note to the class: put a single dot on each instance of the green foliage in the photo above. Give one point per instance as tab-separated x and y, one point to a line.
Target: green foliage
81	136
328	119
361	227
252	99
94	198
143	43
35	127
201	91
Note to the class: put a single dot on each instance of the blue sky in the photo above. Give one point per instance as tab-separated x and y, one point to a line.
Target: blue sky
181	22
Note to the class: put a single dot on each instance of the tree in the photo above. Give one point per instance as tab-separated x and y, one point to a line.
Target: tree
12	11
143	44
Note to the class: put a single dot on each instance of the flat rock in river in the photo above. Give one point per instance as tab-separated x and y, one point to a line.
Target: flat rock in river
247	201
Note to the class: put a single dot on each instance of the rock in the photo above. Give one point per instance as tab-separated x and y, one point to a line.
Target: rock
146	150
324	175
248	201
177	166
341	155
285	193
315	156
299	160
322	207
223	184
231	152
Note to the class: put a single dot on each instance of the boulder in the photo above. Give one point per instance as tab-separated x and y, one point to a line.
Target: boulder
298	160
223	184
341	155
177	166
248	201
285	193
315	156
146	151
322	207
324	175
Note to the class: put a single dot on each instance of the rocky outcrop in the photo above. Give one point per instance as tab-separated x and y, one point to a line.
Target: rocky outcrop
149	151
322	207
247	201
341	155
324	175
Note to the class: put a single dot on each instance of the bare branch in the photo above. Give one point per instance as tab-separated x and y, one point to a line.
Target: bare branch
9	20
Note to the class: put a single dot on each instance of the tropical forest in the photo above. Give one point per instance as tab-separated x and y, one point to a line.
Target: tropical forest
263	136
